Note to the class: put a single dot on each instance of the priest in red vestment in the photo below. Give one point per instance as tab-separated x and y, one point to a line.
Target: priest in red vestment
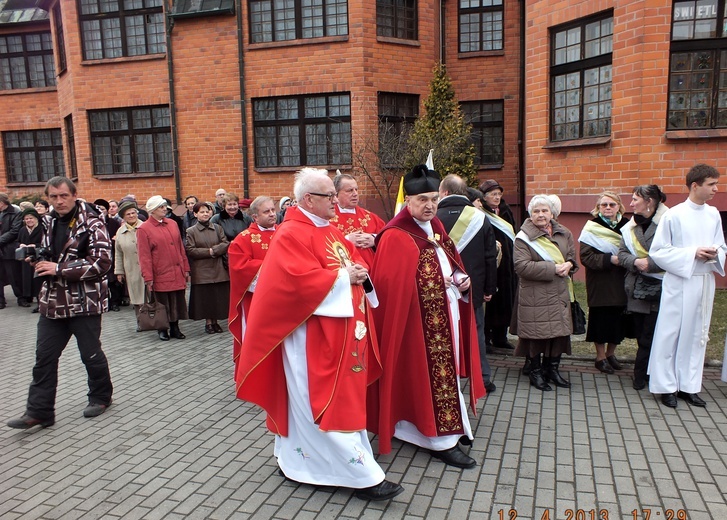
359	225
426	327
310	352
246	255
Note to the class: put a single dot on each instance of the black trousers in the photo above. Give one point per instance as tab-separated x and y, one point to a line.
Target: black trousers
53	336
644	325
10	274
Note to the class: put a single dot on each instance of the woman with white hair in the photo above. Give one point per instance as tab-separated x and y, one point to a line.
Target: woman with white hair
164	264
545	258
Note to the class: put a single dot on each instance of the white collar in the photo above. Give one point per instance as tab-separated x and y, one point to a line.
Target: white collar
318	221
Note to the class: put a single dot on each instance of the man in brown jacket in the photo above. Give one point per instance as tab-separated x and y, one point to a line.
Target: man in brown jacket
72	299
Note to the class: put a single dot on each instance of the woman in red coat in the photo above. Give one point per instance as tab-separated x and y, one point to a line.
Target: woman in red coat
164	264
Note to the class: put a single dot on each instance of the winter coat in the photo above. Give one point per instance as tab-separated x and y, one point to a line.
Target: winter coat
232	226
604	280
161	255
127	263
480	254
626	259
10	224
542	309
207	268
81	287
498	311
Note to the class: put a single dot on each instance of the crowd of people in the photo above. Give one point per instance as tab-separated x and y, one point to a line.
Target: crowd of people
344	324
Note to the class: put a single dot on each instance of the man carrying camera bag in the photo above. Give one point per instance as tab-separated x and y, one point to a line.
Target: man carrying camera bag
72	299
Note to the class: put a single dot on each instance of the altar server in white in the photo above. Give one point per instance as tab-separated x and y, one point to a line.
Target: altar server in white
689	245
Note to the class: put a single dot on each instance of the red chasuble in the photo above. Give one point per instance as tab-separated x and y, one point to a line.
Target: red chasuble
297	275
246	254
364	221
414	326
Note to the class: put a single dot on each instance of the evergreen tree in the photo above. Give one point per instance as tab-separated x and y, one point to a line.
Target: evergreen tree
443	129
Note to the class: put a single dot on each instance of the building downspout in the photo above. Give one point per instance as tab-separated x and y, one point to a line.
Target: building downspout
243	101
521	116
442	34
169	22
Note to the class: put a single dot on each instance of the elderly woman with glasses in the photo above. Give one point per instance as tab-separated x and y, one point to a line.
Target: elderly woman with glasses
164	264
545	257
599	241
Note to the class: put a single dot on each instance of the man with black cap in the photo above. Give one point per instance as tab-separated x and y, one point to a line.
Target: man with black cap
426	328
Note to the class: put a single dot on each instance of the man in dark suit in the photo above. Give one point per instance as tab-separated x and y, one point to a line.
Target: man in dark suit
475	240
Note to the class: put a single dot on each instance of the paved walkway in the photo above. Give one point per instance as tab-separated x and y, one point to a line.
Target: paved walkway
176	444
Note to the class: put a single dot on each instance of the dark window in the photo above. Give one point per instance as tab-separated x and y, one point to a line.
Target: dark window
281	20
698	70
26	61
580	79
71	146
396	19
112	28
302	130
131	140
397	115
487	120
60	38
33	155
480	25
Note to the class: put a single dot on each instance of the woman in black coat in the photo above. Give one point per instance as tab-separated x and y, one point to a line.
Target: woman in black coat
498	311
232	219
31	233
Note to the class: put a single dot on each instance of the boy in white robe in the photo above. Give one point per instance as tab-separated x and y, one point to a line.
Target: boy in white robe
689	245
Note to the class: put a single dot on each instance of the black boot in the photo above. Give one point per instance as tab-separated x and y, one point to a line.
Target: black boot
550	372
536	375
526	366
174	331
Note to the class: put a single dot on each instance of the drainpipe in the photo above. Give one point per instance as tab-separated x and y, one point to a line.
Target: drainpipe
521	116
169	22
243	101
442	34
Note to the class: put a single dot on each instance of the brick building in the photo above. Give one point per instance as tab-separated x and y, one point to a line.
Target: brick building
148	96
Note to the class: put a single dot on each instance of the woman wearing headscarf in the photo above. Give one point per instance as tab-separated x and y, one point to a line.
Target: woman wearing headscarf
126	266
164	264
31	233
498	311
206	245
544	258
599	240
643	276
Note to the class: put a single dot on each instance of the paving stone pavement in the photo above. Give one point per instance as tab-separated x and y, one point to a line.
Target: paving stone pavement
177	444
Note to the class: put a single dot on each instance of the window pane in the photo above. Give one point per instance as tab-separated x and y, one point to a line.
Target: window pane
33	156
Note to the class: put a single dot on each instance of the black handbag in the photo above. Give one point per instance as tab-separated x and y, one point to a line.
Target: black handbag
647	288
579	318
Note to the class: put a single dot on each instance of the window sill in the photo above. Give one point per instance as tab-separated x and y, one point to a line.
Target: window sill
124	59
491	166
29	184
578	143
293	169
398	41
707	133
125	176
34	90
299	41
480	54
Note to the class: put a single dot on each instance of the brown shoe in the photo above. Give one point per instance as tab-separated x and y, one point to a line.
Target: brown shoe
26	421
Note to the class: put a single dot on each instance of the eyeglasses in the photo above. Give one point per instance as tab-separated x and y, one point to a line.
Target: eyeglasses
329	196
608	205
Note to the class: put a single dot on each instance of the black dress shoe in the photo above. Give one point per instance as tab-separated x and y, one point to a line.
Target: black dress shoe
3	305
26	421
36	310
455	457
692	399
614	362
209	328
163	335
490	387
604	366
217	327
23	303
115	308
669	400
176	333
385	490
639	384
